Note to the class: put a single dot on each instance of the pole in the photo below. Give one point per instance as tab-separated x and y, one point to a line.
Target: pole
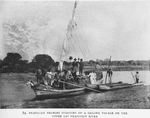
108	68
109	62
80	86
133	76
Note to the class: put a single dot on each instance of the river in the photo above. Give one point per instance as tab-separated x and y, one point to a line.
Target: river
14	93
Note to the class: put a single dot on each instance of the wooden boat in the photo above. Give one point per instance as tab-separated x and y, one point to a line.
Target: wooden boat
116	86
93	86
96	86
48	91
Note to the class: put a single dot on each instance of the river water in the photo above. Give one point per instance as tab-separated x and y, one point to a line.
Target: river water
14	93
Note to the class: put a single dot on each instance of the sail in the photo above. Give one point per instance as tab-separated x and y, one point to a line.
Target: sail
70	27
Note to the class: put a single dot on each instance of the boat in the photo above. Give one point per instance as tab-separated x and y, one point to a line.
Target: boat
45	90
96	86
42	90
116	86
93	86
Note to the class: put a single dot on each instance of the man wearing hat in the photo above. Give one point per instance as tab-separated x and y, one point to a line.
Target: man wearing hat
75	68
137	77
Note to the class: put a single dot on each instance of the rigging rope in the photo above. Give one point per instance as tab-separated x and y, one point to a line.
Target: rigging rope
82	42
73	46
78	46
86	42
81	46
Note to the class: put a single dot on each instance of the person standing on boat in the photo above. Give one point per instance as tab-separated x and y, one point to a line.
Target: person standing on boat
81	67
110	73
49	76
39	75
137	77
78	66
62	79
56	79
43	76
92	76
75	67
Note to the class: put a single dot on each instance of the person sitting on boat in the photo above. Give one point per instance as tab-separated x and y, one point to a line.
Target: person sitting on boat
137	77
92	76
69	74
110	73
39	75
49	76
99	78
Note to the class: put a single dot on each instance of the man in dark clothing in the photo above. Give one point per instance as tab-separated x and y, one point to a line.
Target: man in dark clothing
109	72
137	77
81	66
75	66
39	75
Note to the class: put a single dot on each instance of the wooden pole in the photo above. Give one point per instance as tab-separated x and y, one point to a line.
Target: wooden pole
80	86
108	68
133	76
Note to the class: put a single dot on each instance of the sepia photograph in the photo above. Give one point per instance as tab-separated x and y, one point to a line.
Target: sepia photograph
75	54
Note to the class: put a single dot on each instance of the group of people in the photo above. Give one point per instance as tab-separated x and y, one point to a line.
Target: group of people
50	78
94	77
78	66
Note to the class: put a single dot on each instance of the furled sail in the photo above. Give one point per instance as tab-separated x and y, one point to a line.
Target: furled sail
70	27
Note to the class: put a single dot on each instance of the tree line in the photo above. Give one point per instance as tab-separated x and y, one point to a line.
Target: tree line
122	62
13	62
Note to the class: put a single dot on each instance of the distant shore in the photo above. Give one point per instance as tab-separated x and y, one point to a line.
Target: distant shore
120	68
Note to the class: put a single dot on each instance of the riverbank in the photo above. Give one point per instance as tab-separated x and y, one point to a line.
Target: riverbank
15	94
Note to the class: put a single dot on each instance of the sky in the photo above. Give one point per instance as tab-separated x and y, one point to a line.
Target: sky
120	29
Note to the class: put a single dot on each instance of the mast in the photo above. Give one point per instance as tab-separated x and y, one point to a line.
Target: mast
70	27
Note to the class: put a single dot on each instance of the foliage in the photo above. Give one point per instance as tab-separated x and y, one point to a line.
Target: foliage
43	60
13	62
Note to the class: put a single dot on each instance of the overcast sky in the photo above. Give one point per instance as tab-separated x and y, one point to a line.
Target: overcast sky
120	29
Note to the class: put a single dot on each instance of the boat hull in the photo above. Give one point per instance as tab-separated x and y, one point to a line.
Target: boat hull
58	93
93	86
111	87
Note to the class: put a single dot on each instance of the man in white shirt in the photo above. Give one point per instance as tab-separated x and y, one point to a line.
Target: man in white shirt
92	76
49	77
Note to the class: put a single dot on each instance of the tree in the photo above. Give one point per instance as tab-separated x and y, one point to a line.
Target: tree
12	58
43	60
92	62
11	62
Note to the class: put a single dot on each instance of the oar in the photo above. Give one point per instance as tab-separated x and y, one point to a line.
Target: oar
80	86
133	76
